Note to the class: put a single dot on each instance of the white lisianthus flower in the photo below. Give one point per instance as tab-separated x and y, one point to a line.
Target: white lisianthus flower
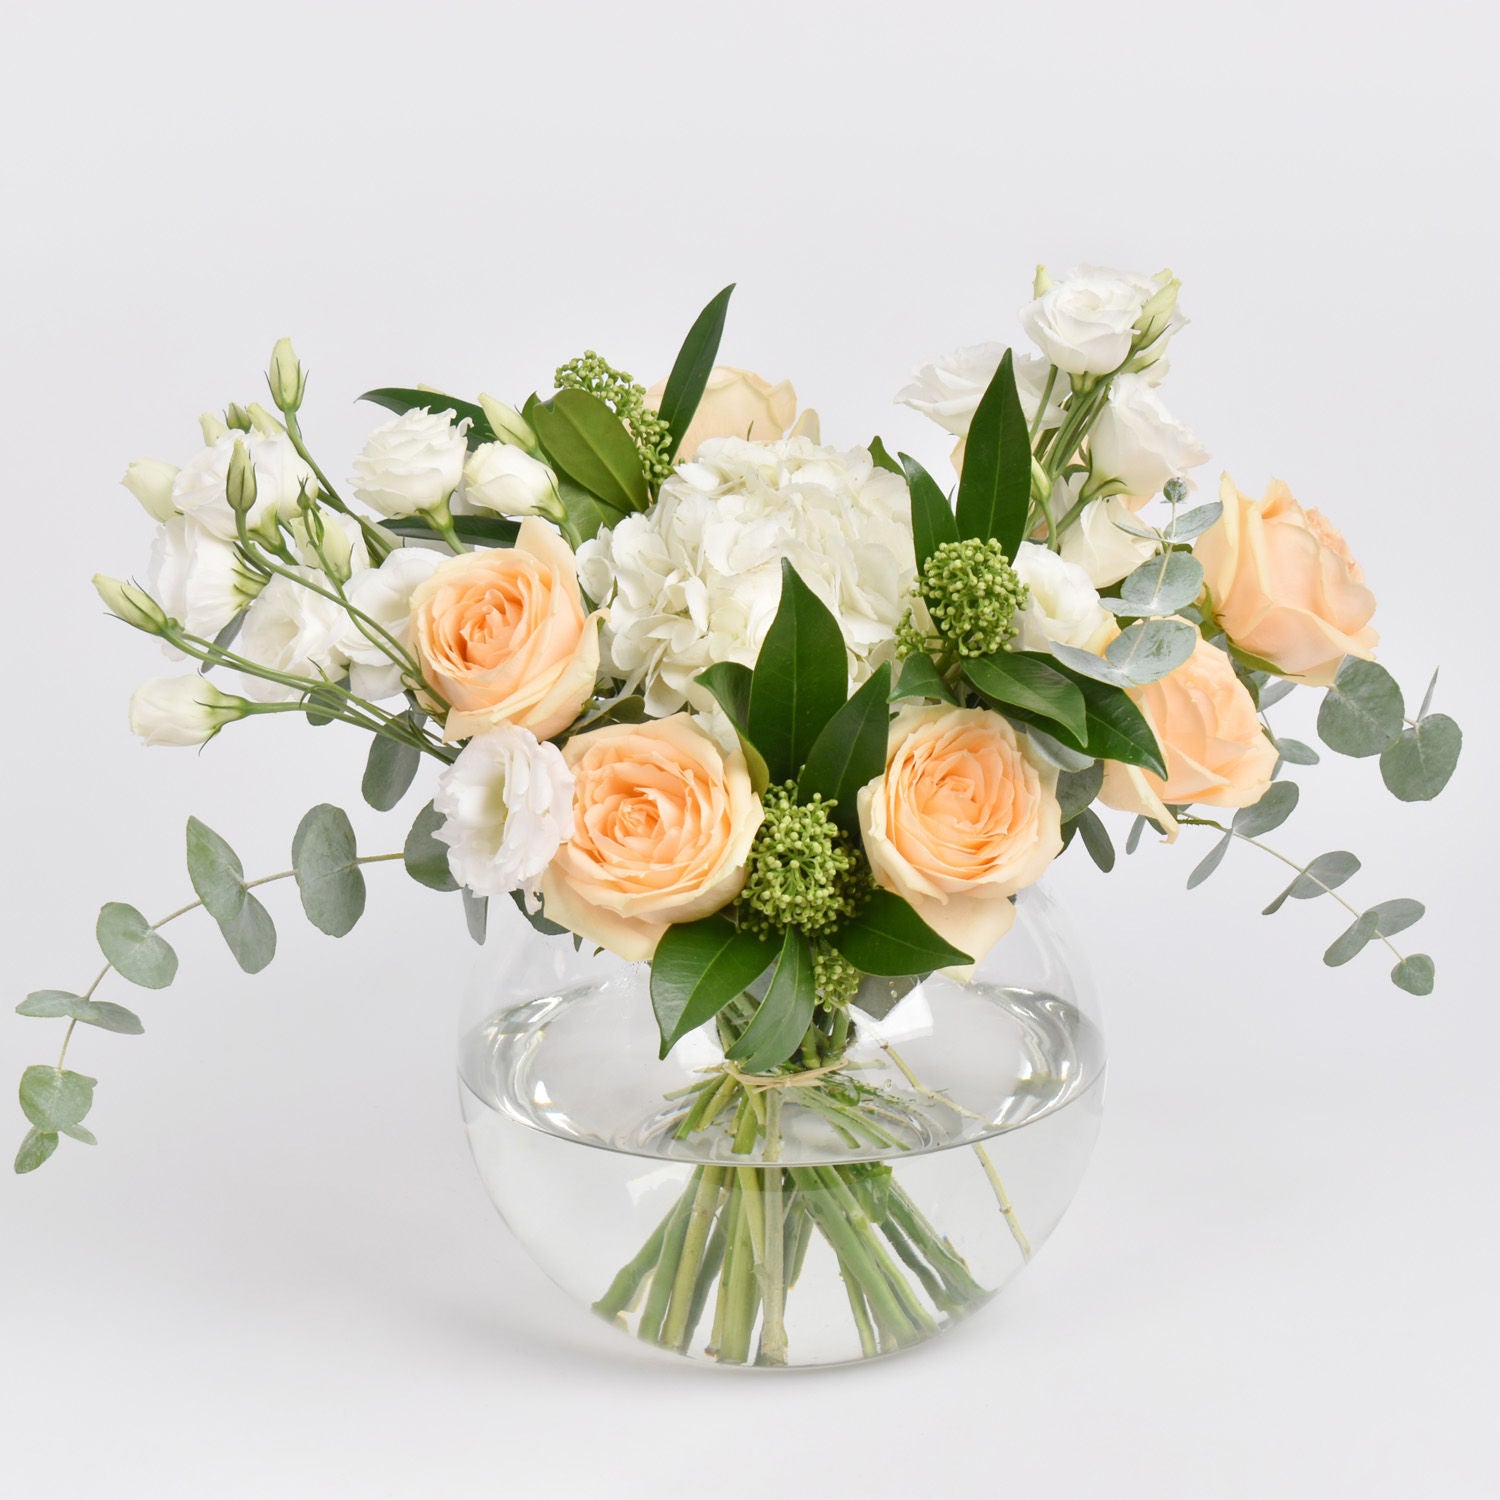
199	489
384	595
187	710
1136	446
1086	323
291	630
1063	605
1096	542
412	464
698	579
501	478
198	578
949	389
150	481
507	804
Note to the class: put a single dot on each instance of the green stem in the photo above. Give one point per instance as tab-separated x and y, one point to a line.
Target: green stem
773	1332
701	1215
377	540
867	1345
623	1289
671	1252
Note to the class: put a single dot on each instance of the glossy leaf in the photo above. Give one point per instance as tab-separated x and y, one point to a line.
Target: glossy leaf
425	855
883	460
1114	727
1161	586
587	514
698	968
480	531
138	954
331	885
219	879
1363	712
801	678
402	399
729	682
389	770
920	678
994	493
53	1098
588	442
692	367
52	1004
932	518
1422	760
1031	682
851	750
781	1020
1273	809
887	937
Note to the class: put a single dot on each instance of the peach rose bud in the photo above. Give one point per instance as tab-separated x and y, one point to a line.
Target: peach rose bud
741	404
502	637
963	818
663	821
1283	585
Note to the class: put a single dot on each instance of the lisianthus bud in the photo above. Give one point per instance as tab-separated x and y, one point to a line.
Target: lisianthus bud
186	710
150	481
1041	283
262	421
213	428
502	478
1159	312
286	377
128	602
509	425
237	417
239	485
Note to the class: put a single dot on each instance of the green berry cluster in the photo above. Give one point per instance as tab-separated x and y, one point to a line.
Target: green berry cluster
835	980
802	869
626	397
972	593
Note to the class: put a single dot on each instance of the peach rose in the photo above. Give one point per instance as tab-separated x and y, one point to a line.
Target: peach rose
502	636
1205	722
740	403
663	821
962	819
1283	585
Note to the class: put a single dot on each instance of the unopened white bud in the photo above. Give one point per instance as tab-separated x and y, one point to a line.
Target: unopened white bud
286	377
129	602
509	425
187	710
150	481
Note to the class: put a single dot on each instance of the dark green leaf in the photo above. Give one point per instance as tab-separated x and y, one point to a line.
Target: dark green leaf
782	1018
1115	728
332	886
138	954
850	752
100	1013
801	678
692	367
481	531
426	856
587	514
1210	862
389	771
883	460
729	682
1077	789
53	1099
1362	930
994	493
1096	839
1326	873
1161	586
878	995
1362	713
402	399
1295	753
219	879
476	914
698	968
932	519
1270	812
920	678
537	919
588	442
1417	767
1414	974
36	1147
1031	682
889	938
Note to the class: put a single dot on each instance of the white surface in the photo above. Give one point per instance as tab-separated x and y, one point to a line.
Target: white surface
277	1275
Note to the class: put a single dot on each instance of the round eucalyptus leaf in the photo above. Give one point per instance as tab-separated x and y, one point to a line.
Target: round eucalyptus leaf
1148	650
1417	767
1270	812
140	955
1362	930
101	1013
53	1098
1415	974
1363	711
331	884
1161	585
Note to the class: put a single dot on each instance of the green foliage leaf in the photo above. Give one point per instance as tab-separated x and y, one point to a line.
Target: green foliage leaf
1364	929
323	705
883	460
1114	727
537	918
850	752
932	518
1295	753
1096	839
994	493
588	442
138	954
1362	713
801	678
887	937
1270	812
587	514
1133	838
1077	789
692	367
54	1099
331	885
698	968
101	1013
389	770
1418	766
402	399
1391	917
1188	524
1161	586
729	682
1210	862
1031	682
1415	974
36	1147
920	678
878	994
479	531
782	1018
425	855
1273	692
1326	873
477	914
219	879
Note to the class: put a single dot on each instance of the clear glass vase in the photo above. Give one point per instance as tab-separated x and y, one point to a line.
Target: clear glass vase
824	1216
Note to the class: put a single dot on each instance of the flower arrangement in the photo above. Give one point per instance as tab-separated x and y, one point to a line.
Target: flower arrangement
787	721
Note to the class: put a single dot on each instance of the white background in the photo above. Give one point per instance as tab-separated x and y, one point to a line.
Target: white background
277	1274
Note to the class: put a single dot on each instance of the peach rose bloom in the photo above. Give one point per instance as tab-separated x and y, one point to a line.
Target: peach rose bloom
742	404
1283	585
963	818
1205	722
501	635
663	821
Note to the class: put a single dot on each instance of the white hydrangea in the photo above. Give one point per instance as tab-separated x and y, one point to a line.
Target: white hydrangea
507	805
698	580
